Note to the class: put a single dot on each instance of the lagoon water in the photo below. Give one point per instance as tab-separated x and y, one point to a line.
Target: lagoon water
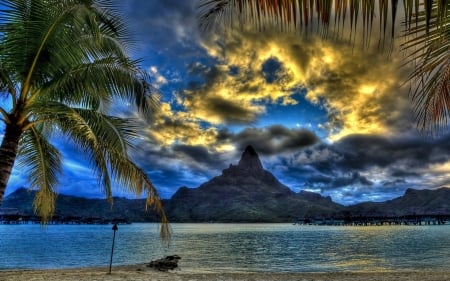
230	247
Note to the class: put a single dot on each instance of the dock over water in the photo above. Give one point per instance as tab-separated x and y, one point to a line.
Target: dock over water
14	216
431	219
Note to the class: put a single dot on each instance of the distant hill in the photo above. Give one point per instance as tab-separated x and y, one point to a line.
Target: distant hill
242	193
70	206
413	202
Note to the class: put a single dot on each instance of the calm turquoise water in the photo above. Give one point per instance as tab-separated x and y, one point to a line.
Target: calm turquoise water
231	247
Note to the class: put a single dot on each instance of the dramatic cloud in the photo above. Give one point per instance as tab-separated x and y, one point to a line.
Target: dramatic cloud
267	141
170	127
324	182
360	88
375	165
229	93
218	105
244	72
272	140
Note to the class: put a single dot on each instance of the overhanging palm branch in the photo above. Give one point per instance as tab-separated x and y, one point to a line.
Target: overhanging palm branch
429	48
426	27
295	14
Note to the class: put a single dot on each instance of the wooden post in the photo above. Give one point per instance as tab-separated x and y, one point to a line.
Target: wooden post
114	228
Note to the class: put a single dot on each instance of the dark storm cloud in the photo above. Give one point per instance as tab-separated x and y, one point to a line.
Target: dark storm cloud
403	174
202	97
362	152
364	161
365	151
271	140
200	154
393	183
192	158
327	182
232	112
178	165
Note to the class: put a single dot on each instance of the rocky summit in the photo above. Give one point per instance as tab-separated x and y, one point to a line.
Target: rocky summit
245	192
250	161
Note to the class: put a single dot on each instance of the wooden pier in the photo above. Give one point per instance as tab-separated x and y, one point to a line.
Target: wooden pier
378	220
13	216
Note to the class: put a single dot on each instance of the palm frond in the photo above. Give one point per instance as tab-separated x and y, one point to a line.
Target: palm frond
428	46
92	132
93	83
7	87
300	14
292	14
134	179
105	140
43	165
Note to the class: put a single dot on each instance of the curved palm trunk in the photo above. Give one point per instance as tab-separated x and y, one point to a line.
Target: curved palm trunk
8	153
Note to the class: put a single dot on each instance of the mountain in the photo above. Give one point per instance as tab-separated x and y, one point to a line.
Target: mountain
418	202
246	193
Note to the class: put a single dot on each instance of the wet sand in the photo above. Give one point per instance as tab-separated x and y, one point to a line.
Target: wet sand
141	272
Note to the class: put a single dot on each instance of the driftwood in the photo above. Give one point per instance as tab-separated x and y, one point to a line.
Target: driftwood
164	264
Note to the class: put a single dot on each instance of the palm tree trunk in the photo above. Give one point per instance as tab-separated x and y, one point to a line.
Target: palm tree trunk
8	153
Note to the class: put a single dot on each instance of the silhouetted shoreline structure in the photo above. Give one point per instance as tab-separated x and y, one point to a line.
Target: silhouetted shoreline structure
14	216
377	220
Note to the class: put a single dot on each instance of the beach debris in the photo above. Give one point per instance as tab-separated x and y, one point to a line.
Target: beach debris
164	264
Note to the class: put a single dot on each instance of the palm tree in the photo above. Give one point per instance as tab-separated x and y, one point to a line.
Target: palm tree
426	29
62	64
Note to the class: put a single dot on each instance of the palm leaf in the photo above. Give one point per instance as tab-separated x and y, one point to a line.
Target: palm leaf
135	180
104	140
286	14
429	48
43	165
90	131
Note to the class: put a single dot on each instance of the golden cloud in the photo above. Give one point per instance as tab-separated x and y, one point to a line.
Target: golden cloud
178	127
239	96
360	88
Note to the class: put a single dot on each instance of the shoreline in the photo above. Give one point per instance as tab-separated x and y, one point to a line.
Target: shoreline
141	272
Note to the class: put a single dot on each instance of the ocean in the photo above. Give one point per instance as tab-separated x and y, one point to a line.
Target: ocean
230	247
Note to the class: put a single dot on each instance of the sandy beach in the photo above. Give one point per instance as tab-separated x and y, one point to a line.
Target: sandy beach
141	272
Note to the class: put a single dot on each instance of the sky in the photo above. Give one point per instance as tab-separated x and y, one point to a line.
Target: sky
324	115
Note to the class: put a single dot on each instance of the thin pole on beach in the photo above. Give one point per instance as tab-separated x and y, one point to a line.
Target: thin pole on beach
114	228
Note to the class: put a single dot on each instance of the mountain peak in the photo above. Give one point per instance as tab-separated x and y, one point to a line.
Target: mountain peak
250	160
